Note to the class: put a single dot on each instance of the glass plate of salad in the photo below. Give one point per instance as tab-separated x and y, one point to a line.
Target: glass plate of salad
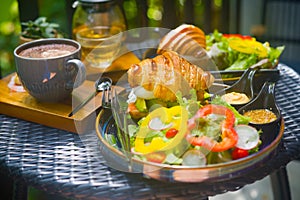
229	55
187	141
234	52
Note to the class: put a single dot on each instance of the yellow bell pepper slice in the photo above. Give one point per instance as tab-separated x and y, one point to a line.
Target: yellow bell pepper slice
248	47
174	117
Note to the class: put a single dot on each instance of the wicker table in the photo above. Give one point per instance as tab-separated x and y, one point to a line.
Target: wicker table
58	162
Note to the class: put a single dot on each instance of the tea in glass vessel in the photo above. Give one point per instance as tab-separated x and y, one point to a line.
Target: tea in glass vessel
92	13
100	45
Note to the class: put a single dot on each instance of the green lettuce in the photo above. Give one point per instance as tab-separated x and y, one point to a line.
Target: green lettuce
240	119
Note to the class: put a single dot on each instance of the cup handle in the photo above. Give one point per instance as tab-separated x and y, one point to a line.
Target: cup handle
81	73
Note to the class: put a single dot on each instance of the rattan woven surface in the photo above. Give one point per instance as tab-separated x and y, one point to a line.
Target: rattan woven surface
59	162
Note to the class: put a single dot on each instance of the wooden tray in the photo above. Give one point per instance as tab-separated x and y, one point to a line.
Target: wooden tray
22	105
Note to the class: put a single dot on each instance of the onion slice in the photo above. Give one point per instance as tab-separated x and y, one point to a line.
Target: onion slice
194	158
157	125
248	137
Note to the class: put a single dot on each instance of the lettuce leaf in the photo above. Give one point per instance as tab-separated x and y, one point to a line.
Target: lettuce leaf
274	54
243	62
240	119
191	103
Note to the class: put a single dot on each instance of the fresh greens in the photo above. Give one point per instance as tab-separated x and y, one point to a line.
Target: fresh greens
187	153
243	61
228	58
209	126
191	103
240	119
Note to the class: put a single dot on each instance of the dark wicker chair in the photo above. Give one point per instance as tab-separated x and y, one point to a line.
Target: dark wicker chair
281	21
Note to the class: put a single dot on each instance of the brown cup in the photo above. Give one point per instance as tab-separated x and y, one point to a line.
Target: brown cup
50	79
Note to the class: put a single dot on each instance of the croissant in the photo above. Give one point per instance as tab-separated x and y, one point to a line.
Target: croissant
168	73
185	39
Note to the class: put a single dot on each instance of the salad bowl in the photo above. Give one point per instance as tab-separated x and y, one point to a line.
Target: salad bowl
115	157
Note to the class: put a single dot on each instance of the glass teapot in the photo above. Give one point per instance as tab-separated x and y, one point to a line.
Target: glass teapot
91	13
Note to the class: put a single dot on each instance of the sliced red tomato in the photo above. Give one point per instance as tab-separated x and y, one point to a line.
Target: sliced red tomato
171	133
238	153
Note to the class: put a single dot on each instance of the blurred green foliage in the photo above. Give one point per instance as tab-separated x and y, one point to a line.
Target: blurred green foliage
9	31
10	27
55	12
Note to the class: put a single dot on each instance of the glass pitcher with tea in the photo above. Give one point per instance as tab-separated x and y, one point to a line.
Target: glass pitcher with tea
98	26
92	13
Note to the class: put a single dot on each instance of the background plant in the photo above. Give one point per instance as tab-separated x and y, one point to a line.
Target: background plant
40	28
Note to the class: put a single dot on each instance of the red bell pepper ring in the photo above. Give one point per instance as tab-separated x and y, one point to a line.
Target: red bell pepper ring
244	37
229	135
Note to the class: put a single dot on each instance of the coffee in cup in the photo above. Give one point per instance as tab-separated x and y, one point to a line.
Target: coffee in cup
49	69
48	51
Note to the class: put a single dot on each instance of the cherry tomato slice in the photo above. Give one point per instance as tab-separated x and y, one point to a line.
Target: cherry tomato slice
171	133
238	153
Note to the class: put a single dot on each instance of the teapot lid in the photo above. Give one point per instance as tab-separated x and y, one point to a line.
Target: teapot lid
91	2
95	1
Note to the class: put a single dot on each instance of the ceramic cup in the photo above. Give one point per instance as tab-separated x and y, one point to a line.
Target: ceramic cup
49	69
